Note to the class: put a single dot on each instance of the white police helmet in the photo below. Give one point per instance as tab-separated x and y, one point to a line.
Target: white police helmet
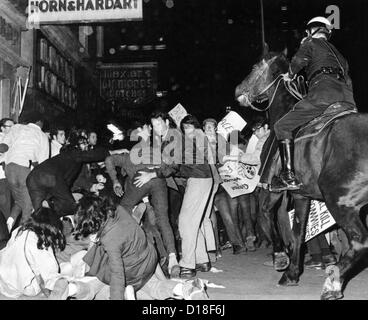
322	25
320	21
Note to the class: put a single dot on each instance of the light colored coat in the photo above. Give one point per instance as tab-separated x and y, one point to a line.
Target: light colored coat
16	275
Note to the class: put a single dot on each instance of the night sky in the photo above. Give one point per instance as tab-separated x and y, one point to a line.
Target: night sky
212	45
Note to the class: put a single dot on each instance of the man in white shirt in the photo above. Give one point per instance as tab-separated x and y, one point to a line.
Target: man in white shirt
5	195
58	140
26	146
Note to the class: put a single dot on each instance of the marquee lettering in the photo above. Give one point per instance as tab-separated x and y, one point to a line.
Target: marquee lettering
83	5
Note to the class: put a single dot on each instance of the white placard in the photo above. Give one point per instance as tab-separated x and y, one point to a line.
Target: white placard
319	220
232	121
79	11
114	129
178	113
252	144
239	178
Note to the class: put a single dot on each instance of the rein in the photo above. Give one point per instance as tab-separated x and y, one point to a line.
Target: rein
290	86
293	87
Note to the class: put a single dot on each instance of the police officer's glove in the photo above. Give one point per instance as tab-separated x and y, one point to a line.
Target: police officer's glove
288	77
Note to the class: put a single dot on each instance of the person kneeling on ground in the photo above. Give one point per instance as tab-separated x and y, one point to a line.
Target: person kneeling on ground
132	260
72	281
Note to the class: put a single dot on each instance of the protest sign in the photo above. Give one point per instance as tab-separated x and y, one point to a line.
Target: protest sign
232	121
238	178
178	113
80	11
319	220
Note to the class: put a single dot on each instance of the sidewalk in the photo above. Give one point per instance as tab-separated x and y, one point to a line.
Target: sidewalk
246	278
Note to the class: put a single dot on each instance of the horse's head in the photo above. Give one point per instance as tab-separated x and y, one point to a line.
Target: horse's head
254	88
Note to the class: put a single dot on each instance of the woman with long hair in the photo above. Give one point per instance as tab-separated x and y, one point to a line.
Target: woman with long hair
27	264
128	259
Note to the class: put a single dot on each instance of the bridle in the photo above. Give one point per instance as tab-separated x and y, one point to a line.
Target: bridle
291	86
249	103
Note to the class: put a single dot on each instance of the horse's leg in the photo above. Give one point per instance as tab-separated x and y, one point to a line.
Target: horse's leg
284	230
302	207
283	220
267	202
354	260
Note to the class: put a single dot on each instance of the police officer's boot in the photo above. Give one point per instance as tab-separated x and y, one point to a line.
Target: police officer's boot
286	179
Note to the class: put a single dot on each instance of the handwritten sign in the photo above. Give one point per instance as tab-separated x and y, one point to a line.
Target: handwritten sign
232	121
130	83
319	220
79	11
238	178
178	113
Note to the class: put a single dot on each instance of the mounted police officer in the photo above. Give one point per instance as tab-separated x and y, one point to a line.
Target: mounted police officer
329	82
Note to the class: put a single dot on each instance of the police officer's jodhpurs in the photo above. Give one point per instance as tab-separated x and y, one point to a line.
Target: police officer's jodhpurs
324	90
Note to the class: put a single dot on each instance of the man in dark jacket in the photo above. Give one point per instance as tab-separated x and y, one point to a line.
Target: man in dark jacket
132	260
53	178
140	158
187	157
329	82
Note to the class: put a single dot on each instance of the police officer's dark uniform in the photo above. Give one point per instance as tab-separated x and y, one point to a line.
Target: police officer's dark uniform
329	82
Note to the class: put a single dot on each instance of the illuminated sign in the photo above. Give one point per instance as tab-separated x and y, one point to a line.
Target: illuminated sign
77	11
130	83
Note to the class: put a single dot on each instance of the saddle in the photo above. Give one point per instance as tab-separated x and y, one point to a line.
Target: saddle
317	125
270	158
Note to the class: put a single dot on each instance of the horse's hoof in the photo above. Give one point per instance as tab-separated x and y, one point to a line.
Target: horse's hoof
281	262
287	282
332	295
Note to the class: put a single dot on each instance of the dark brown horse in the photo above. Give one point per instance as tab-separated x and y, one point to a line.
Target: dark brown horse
333	167
274	222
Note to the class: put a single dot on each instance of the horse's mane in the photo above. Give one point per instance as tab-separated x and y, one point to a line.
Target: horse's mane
281	64
278	64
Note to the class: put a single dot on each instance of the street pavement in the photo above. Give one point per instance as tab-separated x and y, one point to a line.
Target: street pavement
245	277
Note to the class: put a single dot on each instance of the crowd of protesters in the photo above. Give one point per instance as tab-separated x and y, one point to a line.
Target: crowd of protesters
84	221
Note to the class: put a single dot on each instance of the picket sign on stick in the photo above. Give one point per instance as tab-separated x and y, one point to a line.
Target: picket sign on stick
238	178
232	121
319	220
236	186
178	113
